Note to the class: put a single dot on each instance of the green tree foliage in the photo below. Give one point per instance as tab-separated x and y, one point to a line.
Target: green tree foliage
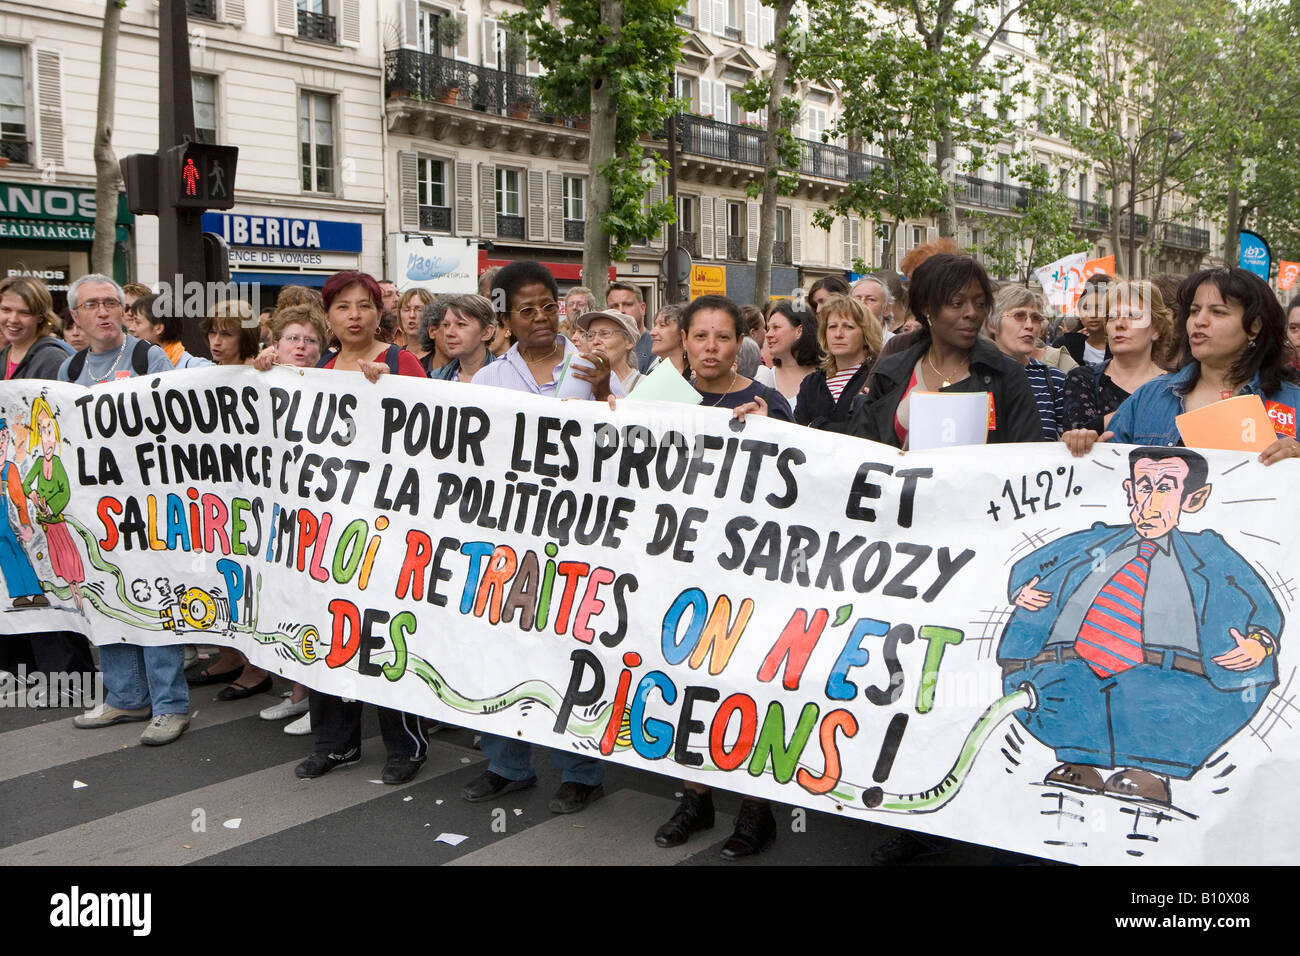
1040	232
917	78
781	151
614	60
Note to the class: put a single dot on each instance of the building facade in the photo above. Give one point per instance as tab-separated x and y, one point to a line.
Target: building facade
365	125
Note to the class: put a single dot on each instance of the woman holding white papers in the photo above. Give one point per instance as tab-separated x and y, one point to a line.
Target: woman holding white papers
950	296
1232	328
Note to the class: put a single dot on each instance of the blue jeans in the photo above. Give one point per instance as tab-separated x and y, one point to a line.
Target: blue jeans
1148	717
513	759
136	677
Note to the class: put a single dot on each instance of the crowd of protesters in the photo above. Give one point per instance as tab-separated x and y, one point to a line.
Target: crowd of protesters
842	358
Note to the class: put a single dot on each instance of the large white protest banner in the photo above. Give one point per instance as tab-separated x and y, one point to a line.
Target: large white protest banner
1078	658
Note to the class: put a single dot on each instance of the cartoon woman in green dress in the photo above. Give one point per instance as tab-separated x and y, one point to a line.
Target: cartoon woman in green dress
51	496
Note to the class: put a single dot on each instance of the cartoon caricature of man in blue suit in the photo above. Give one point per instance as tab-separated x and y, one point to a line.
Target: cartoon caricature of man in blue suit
1146	646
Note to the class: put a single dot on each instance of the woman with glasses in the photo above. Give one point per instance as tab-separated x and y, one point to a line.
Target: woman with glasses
611	334
526	297
297	337
1013	324
352	302
1139	328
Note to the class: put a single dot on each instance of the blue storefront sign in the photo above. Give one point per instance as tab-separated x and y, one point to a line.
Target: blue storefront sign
284	232
1255	256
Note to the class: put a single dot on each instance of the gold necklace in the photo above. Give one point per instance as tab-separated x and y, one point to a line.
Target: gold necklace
726	391
548	355
930	362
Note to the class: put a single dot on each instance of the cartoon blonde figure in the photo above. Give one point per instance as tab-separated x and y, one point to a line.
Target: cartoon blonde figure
51	495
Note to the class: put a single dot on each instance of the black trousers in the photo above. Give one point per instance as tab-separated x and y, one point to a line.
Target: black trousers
337	726
54	652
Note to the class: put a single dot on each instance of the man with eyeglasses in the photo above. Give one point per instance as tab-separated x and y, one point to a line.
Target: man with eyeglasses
96	302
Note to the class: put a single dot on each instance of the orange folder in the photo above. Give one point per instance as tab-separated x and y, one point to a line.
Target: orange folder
1234	424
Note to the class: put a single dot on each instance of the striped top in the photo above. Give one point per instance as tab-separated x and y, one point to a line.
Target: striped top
1048	385
837	381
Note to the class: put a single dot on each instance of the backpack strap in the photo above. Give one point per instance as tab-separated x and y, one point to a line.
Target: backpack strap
77	364
140	358
326	358
392	357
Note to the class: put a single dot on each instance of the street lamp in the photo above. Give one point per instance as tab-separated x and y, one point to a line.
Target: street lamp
1135	150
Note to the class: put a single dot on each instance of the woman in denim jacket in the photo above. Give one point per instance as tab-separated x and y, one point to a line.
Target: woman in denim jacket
1233	330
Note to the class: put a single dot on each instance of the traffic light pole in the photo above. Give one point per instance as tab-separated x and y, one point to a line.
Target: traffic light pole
180	231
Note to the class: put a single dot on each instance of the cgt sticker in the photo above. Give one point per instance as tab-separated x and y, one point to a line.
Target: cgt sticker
1283	417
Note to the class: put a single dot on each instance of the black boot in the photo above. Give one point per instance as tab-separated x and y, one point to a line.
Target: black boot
695	812
755	830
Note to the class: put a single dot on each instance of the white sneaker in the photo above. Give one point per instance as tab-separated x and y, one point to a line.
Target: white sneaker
164	728
286	708
300	727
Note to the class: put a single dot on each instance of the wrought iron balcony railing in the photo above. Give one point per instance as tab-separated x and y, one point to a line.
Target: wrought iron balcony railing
16	150
203	9
510	227
316	26
435	218
575	230
736	248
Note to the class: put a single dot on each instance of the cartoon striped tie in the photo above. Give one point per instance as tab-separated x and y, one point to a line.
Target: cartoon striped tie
1110	638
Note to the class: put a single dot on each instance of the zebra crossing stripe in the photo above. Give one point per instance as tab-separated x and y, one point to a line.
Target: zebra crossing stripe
266	802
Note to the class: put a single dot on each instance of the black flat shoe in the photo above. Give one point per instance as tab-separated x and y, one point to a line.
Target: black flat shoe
235	692
206	676
489	784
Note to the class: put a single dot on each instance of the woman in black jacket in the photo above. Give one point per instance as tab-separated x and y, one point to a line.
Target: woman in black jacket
850	337
950	296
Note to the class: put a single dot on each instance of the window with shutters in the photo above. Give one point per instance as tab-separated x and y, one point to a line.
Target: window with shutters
432	192
688	235
918	236
736	231
735	20
316	141
15	144
510	204
205	107
575	208
781	242
686	90
316	23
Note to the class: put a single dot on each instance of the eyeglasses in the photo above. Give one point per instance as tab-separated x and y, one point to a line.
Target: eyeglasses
1020	315
301	340
530	312
94	305
605	335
